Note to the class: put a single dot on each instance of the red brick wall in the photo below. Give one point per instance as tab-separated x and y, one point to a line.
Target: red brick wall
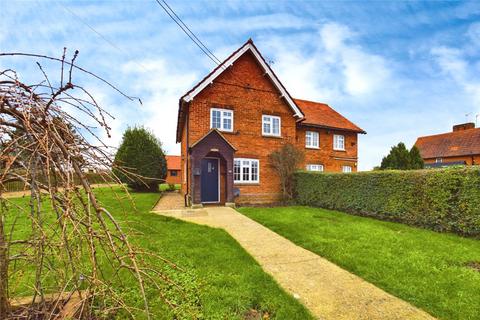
470	160
183	160
332	160
174	179
249	104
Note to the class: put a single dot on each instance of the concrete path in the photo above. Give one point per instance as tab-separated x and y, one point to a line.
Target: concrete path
170	201
328	291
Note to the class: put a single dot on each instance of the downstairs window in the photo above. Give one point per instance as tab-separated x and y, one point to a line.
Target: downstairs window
246	170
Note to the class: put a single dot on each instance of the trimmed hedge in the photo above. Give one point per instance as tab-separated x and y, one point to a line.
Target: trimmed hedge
446	200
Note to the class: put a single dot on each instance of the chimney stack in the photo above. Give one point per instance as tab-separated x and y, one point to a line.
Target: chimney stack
464	126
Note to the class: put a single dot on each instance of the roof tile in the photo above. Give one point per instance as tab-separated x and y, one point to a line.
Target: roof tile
173	162
322	115
457	143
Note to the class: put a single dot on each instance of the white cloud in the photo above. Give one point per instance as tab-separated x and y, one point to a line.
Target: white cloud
473	33
163	85
453	64
336	66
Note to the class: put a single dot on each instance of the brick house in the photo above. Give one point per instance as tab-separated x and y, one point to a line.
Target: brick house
459	147
230	122
174	170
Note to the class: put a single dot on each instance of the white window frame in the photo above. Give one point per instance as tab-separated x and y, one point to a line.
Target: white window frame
347	169
242	165
222	116
315	167
336	140
312	135
438	160
269	118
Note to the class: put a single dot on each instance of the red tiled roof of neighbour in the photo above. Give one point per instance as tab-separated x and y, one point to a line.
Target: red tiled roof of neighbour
322	115
173	162
457	143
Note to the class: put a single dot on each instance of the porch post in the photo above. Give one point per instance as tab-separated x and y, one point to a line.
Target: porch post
229	179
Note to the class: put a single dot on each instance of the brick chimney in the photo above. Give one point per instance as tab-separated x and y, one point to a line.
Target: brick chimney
464	126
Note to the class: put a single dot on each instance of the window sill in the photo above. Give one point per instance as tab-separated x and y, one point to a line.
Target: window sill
341	150
313	148
271	136
223	131
246	183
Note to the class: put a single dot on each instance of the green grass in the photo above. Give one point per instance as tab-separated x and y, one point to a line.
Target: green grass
221	280
166	186
426	268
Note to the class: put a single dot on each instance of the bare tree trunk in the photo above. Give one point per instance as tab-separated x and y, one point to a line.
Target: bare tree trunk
4	306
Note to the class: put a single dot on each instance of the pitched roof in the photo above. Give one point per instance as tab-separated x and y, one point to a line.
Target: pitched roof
322	115
173	162
210	132
247	46
457	143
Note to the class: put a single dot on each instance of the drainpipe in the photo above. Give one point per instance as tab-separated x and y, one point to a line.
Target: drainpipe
187	156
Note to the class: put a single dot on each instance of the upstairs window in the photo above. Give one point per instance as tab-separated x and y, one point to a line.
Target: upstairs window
314	167
346	169
221	119
246	170
271	126
338	142
312	140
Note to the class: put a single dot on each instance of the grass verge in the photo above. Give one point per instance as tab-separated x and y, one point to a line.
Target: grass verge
434	271
222	281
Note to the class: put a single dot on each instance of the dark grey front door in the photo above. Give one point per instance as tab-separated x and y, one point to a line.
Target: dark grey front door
209	180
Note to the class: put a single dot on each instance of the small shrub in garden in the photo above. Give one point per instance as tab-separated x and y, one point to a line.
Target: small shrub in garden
141	154
442	200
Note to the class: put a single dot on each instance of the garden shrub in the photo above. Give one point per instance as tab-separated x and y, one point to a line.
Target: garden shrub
446	200
142	160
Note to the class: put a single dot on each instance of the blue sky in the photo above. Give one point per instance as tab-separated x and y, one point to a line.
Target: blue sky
397	69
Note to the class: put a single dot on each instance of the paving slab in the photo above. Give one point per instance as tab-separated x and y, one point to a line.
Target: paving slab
327	290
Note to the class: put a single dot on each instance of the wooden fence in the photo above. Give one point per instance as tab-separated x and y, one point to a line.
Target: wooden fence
93	178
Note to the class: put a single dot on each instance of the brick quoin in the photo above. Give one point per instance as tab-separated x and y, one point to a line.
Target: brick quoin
245	88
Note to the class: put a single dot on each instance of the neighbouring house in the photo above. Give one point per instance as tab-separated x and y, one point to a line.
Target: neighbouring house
232	120
459	147
174	170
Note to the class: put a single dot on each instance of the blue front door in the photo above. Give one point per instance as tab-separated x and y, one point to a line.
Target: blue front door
209	180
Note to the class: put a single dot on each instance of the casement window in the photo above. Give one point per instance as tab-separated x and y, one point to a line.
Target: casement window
338	142
271	126
246	170
346	169
221	119
438	160
314	167
312	140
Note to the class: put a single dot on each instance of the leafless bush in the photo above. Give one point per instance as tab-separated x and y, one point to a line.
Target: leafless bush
73	239
286	161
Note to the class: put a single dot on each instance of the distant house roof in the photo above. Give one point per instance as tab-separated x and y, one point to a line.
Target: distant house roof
457	143
173	162
322	115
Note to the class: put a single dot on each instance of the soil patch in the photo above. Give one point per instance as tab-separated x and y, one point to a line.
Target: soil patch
475	265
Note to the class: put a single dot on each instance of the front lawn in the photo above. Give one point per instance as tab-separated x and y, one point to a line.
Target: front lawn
222	281
433	271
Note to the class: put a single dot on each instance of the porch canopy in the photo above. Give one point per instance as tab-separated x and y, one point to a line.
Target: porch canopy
212	169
